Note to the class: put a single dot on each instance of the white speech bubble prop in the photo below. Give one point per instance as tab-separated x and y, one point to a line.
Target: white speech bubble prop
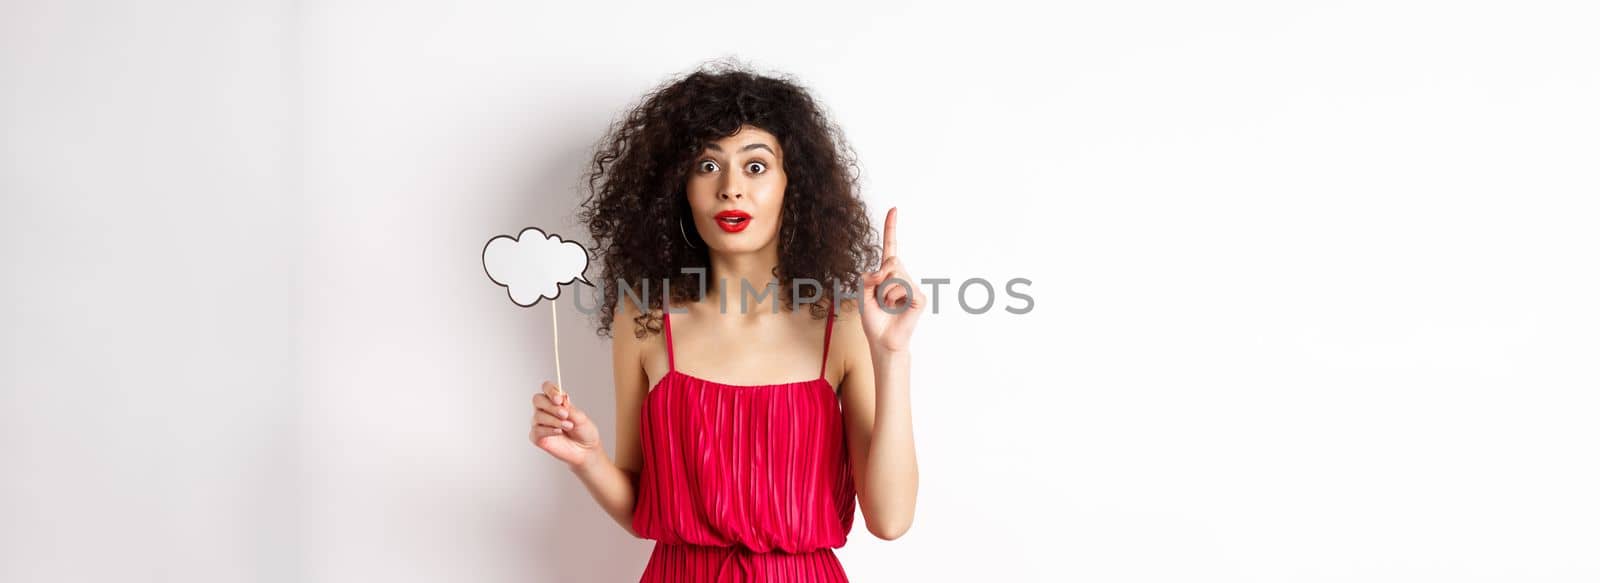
532	266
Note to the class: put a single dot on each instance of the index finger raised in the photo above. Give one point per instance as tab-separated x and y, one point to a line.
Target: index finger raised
889	246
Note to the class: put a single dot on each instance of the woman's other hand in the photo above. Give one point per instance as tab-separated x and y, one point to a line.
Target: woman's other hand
562	429
889	325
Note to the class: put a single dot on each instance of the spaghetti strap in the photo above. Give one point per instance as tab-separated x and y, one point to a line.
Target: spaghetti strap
666	325
827	337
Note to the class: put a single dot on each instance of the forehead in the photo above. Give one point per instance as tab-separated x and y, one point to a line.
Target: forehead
745	136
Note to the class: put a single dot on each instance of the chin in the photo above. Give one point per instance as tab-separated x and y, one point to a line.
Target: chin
739	242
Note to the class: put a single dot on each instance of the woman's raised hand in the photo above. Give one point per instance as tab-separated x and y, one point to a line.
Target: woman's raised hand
564	430
889	326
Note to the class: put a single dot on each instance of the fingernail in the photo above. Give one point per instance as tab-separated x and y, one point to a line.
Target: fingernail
563	413
566	424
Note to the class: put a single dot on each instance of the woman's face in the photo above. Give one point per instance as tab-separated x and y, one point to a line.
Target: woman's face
736	191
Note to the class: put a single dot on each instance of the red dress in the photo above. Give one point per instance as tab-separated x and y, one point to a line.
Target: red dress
743	483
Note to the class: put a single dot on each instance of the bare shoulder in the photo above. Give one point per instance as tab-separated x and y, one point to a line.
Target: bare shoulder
849	338
624	333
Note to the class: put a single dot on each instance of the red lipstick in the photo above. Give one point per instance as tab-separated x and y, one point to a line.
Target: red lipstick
733	221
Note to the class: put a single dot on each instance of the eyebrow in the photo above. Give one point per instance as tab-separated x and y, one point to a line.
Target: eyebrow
746	147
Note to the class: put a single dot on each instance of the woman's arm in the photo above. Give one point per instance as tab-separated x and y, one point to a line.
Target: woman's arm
876	391
613	484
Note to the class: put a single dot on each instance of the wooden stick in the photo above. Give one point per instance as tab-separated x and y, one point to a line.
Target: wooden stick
556	335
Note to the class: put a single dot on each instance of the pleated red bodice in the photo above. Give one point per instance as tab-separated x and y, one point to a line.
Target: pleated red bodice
743	483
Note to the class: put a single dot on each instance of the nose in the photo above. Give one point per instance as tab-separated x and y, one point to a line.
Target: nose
731	186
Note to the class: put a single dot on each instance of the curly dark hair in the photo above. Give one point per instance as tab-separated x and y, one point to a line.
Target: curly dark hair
638	190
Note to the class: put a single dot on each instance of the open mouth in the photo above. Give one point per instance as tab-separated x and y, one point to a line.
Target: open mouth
733	221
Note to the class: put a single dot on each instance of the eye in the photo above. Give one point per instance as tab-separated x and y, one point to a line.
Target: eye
703	167
761	165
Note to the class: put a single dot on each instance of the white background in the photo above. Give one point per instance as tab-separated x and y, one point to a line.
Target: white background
1314	285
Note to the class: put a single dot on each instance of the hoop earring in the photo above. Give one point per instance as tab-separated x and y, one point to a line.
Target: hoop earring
685	235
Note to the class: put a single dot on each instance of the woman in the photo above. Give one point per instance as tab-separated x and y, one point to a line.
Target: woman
747	429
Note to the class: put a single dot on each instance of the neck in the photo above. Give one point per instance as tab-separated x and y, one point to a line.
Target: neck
729	271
